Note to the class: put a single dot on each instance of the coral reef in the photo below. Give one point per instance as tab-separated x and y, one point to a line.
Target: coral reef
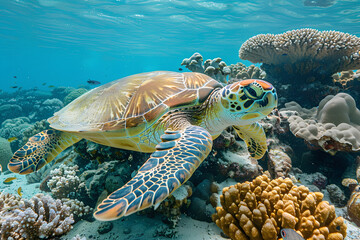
5	153
15	127
74	94
335	126
38	218
353	205
215	68
347	79
64	182
10	111
259	209
46	108
240	72
78	208
300	54
279	163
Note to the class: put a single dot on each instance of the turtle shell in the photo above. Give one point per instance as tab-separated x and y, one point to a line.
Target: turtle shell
135	101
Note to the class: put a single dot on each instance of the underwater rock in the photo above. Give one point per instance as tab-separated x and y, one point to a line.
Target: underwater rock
238	165
335	127
259	209
38	218
105	227
5	153
200	210
336	195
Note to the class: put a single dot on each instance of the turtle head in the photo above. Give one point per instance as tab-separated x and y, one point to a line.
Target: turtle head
248	101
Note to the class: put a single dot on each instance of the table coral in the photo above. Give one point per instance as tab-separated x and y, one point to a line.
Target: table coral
38	218
335	127
259	209
303	54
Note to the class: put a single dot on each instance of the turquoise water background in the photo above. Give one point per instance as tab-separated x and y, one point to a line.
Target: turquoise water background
65	43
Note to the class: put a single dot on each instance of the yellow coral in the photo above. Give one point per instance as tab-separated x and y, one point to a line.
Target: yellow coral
259	209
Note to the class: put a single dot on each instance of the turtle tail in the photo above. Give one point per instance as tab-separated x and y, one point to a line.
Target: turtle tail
40	149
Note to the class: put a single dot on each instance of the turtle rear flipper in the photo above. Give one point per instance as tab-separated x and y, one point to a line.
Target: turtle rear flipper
40	149
171	165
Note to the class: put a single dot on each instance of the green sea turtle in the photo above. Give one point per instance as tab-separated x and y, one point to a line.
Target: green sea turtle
174	115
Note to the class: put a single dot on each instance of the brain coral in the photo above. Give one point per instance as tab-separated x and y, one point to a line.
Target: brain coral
259	209
303	54
336	126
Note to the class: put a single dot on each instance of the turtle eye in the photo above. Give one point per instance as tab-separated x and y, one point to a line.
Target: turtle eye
253	91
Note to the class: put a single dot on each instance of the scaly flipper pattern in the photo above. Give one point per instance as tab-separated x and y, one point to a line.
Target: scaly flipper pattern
254	137
176	158
40	149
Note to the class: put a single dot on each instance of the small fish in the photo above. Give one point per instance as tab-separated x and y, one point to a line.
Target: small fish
284	54
12	139
14	76
14	86
44	84
93	82
9	179
180	69
19	191
51	86
290	234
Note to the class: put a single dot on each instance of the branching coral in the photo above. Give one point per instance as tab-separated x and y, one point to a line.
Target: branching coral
336	126
64	181
38	218
240	72
259	209
303	54
215	68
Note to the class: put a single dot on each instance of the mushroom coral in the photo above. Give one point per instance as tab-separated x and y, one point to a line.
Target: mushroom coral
259	209
303	54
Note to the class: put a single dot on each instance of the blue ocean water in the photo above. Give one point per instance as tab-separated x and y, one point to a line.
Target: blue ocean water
65	43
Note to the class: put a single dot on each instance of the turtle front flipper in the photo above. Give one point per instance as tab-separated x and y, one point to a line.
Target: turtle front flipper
254	137
174	161
40	149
